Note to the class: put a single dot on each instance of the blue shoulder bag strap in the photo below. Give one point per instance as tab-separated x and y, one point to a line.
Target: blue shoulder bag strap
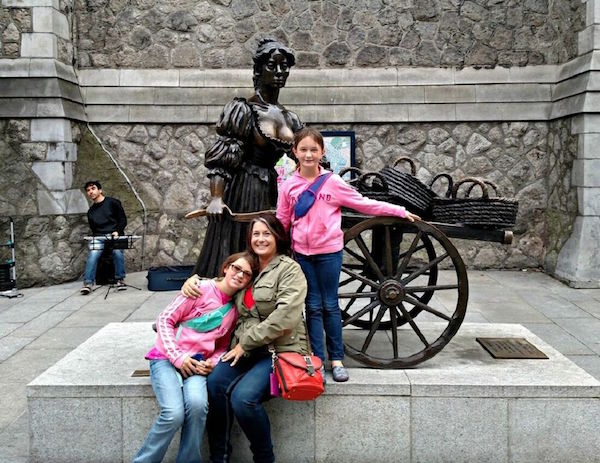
305	203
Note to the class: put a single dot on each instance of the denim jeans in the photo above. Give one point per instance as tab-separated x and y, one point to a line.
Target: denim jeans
322	272
96	246
240	391
180	407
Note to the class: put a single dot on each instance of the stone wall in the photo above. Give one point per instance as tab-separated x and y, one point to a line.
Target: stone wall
13	22
166	165
562	194
327	33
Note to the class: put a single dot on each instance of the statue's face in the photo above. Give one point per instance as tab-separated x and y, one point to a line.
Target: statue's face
275	71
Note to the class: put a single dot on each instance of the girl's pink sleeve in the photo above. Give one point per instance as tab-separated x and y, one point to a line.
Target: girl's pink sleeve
166	327
284	208
351	198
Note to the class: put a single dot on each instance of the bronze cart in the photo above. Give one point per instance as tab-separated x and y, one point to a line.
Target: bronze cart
392	270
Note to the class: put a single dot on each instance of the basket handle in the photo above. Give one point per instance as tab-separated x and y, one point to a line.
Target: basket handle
361	182
484	190
354	170
413	167
487	182
450	183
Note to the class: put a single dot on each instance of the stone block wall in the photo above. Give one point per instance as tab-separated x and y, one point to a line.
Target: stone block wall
13	23
327	33
37	29
165	162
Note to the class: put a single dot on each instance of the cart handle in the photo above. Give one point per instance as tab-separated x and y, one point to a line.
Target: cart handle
487	182
413	167
354	170
448	177
363	178
484	190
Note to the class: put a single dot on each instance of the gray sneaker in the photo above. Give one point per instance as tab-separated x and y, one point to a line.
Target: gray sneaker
87	289
340	374
121	286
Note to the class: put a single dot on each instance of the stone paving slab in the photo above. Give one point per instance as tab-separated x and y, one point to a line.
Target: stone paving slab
50	346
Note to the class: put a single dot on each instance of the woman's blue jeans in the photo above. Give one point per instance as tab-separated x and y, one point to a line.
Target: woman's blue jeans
240	391
322	272
96	246
182	407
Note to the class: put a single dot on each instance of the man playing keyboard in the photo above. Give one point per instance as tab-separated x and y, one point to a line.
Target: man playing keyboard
107	220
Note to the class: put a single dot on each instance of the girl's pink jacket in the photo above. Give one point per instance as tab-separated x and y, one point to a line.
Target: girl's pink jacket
320	230
212	344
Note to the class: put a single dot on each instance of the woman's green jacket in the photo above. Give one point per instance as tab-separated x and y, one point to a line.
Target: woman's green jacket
276	318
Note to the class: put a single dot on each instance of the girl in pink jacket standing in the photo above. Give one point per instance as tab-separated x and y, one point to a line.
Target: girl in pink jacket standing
318	240
192	336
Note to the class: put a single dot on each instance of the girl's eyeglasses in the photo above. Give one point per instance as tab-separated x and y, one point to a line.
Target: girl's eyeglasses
237	269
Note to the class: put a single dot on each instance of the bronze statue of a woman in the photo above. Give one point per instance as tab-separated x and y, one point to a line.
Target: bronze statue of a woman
253	135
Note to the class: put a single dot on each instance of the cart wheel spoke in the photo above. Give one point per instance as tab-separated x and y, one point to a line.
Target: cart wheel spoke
423	269
374	327
428	308
352	300
369	307
422	289
354	254
413	325
346	281
394	322
408	255
370	261
356	276
418	248
358	295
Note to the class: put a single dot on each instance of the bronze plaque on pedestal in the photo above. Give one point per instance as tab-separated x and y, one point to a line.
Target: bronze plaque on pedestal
140	373
511	348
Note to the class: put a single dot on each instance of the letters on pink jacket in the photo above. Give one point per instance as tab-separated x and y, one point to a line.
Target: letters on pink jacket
212	344
320	231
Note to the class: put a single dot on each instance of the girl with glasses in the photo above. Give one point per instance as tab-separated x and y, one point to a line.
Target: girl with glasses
193	334
269	313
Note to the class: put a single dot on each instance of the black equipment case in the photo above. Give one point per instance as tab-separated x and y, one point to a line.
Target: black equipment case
168	278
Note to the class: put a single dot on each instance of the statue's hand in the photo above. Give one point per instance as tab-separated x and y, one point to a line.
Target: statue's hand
215	209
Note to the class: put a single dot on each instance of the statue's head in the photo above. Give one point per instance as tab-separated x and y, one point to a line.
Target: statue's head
272	62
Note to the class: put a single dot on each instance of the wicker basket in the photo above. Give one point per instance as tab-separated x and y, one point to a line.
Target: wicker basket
407	190
355	172
495	212
374	185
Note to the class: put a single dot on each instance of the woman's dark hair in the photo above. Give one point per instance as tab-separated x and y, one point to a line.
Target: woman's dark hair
311	132
264	50
247	256
282	240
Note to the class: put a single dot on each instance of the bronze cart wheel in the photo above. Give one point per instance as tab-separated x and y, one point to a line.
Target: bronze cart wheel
391	272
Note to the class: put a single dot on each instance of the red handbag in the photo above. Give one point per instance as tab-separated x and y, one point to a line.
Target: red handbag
299	376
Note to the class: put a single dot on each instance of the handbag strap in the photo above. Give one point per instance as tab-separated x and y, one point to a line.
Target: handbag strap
271	346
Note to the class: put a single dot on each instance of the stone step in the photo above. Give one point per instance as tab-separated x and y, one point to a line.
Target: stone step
462	405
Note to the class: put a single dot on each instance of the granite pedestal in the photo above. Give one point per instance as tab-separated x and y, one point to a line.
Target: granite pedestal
460	406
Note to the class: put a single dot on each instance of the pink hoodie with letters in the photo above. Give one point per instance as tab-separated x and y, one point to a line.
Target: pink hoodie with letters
320	230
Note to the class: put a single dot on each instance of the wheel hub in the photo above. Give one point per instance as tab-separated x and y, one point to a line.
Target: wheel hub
391	292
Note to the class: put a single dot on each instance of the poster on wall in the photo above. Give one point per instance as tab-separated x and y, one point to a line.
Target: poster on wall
339	148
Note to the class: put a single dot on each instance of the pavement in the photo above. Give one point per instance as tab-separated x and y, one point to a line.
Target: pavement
46	323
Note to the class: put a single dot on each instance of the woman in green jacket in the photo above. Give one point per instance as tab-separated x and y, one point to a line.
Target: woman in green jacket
269	313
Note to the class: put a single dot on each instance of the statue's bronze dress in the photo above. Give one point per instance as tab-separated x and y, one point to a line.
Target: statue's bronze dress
253	135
